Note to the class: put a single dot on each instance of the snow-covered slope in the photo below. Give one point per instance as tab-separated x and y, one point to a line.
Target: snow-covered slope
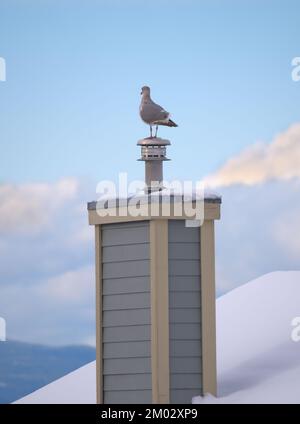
257	360
77	387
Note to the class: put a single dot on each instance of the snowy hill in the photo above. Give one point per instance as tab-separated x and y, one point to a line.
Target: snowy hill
77	387
257	360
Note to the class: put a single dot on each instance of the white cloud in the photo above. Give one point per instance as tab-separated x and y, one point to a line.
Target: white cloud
46	262
72	287
260	212
261	162
257	232
29	208
57	311
287	229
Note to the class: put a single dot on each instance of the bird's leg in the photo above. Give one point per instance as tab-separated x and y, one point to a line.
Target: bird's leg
151	131
156	130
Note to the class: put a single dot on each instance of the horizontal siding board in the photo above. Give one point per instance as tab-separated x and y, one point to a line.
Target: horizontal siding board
186	365
128	396
184	300
122	225
184	396
184	250
184	267
185	348
129	252
127	366
126	269
124	236
185	331
188	283
186	381
126	333
126	317
126	350
182	315
179	233
126	301
127	382
126	285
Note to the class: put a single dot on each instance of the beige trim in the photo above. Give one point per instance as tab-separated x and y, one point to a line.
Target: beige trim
211	211
208	302
159	281
98	262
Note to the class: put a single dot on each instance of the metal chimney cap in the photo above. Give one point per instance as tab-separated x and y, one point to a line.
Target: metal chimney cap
153	141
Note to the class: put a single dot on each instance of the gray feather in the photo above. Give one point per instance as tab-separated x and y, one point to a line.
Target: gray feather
150	112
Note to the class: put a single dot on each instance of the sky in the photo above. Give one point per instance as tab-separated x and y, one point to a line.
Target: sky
69	118
75	69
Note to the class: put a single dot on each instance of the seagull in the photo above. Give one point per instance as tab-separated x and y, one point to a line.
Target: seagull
153	114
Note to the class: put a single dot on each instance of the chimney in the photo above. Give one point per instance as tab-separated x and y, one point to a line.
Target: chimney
155	295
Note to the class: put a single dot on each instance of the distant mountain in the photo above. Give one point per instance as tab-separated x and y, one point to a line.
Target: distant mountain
26	367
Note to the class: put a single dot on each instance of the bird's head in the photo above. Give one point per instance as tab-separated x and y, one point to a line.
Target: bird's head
145	90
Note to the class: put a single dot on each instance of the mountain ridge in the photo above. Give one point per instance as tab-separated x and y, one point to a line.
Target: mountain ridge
26	367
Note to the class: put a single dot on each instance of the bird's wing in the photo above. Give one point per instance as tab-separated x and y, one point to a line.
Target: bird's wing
151	112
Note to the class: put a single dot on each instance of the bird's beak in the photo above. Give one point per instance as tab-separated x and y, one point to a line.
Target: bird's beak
141	92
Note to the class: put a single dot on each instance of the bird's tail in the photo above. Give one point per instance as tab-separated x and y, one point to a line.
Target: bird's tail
169	123
172	123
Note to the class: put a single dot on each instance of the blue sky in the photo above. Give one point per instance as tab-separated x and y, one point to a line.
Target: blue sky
74	72
69	118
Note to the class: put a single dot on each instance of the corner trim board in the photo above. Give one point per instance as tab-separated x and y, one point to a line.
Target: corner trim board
159	282
99	355
208	307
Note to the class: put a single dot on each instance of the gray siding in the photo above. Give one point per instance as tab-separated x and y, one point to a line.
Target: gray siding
184	312
126	313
